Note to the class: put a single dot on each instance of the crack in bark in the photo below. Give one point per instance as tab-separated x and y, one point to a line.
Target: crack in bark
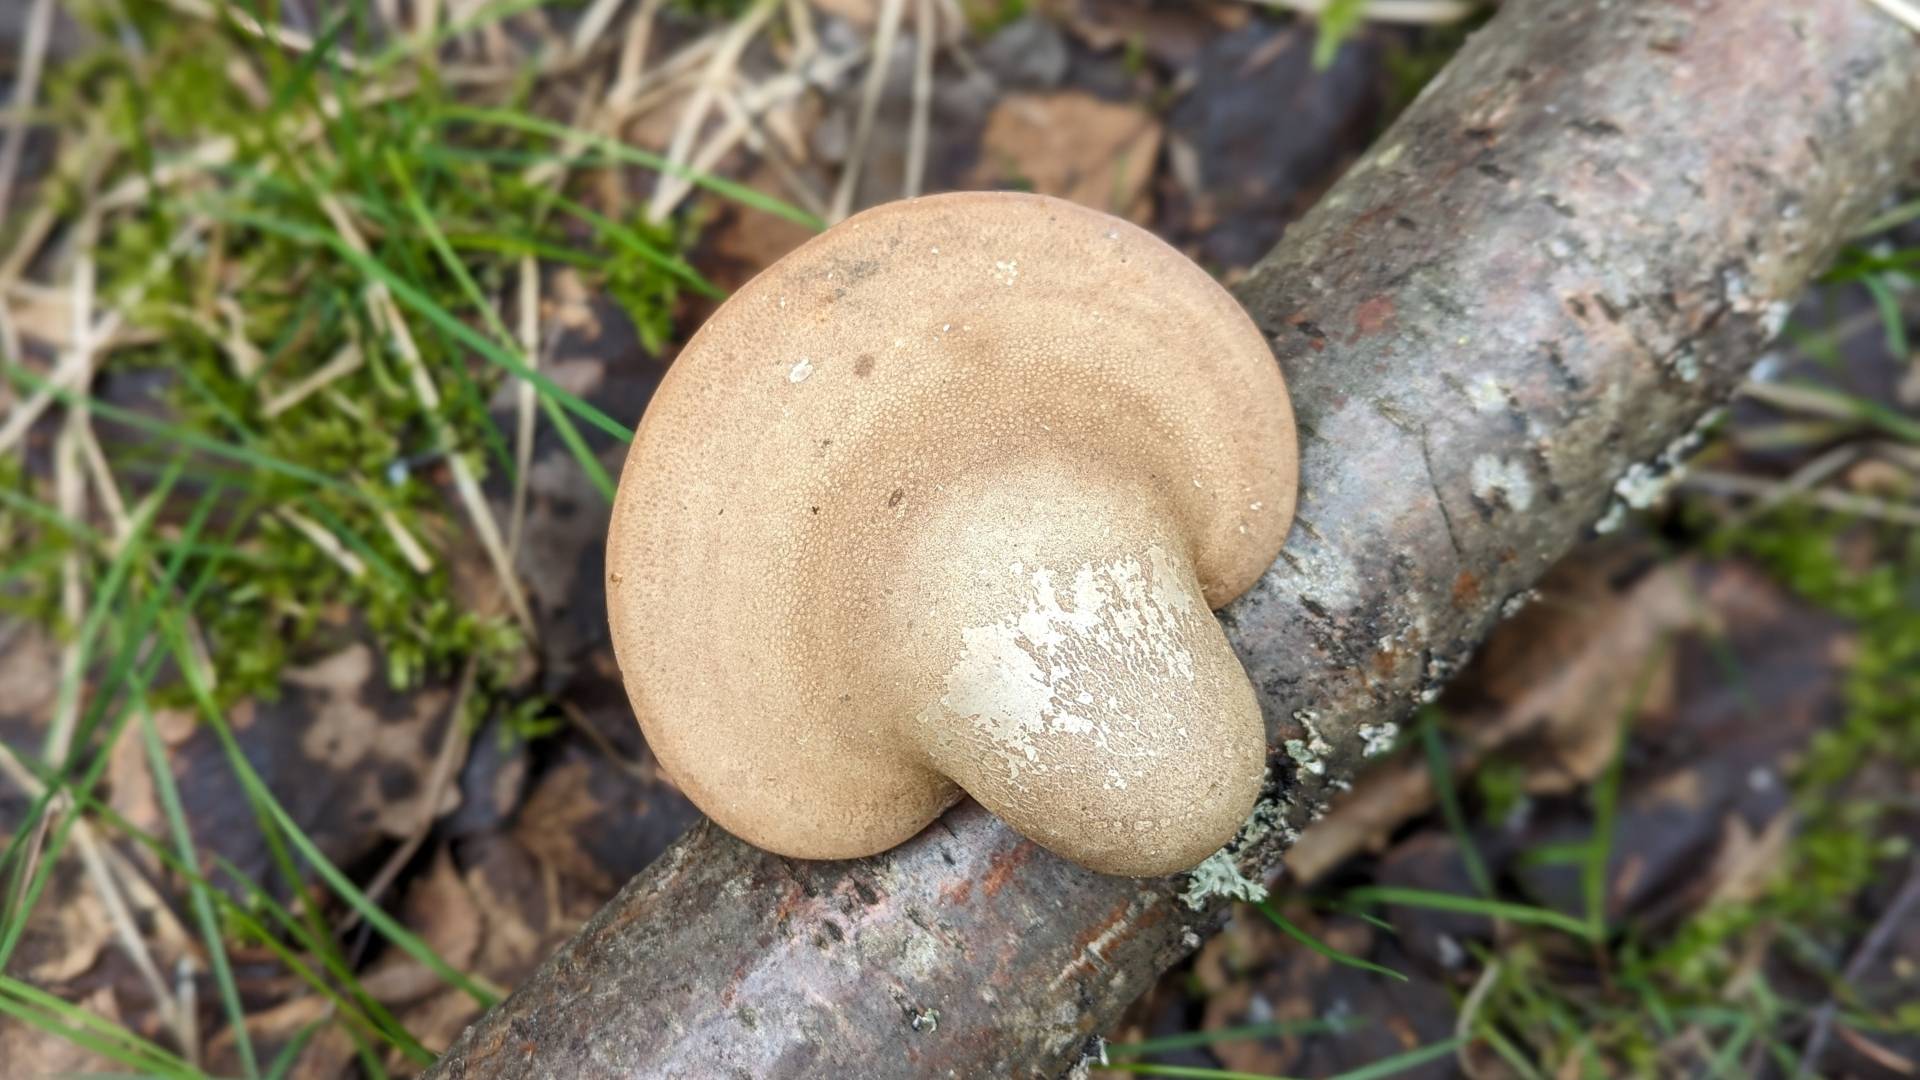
1439	498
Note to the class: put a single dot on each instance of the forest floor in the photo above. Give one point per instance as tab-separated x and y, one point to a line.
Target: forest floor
324	327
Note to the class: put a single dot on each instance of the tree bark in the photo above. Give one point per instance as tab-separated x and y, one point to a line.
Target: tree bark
1504	325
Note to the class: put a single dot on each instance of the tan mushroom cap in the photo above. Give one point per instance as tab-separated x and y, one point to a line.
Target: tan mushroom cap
941	501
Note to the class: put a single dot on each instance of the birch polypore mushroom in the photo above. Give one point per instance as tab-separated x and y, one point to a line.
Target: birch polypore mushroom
941	502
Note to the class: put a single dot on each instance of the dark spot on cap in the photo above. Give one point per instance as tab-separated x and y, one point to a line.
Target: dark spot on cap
863	366
898	494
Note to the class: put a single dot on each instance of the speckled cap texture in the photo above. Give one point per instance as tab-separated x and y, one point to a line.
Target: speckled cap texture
941	503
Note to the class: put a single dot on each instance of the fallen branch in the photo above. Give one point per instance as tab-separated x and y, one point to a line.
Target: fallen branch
1536	283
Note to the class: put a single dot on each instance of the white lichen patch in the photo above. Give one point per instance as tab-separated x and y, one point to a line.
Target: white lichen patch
1083	665
1686	364
1487	395
1502	480
1316	744
1642	485
1005	271
1512	605
800	370
1298	750
1377	739
1773	318
1220	876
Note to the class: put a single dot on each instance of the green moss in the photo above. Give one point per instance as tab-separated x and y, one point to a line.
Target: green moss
299	304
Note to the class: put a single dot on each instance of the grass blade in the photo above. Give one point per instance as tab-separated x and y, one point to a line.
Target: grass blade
634	242
1322	947
1468	905
169	797
1189	1072
1400	1063
1440	766
13	925
33	1006
257	790
1278	1029
1606	800
1891	316
568	434
181	436
412	297
739	193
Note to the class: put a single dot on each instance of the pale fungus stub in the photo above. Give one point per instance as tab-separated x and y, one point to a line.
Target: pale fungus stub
941	502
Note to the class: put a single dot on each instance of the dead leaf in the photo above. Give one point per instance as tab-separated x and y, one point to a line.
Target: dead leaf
1745	863
1561	671
67	931
440	908
29	1053
1172	34
379	756
270	1029
1073	145
519	897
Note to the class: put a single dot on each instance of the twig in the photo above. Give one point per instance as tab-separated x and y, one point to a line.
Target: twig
659	84
101	476
1719	483
344	362
797	186
446	765
593	24
96	154
601	743
188	997
670	188
524	401
128	932
633	51
884	35
1470	1010
1892	919
70	499
410	548
113	503
387	312
75	368
1804	479
10	351
1897	1064
925	32
284	36
806	42
426	18
93	859
329	544
1802	399
246	357
26	85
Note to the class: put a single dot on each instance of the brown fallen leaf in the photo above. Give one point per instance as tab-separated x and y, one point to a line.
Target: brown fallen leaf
1745	863
1073	145
1562	672
440	908
379	756
28	1053
1172	34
